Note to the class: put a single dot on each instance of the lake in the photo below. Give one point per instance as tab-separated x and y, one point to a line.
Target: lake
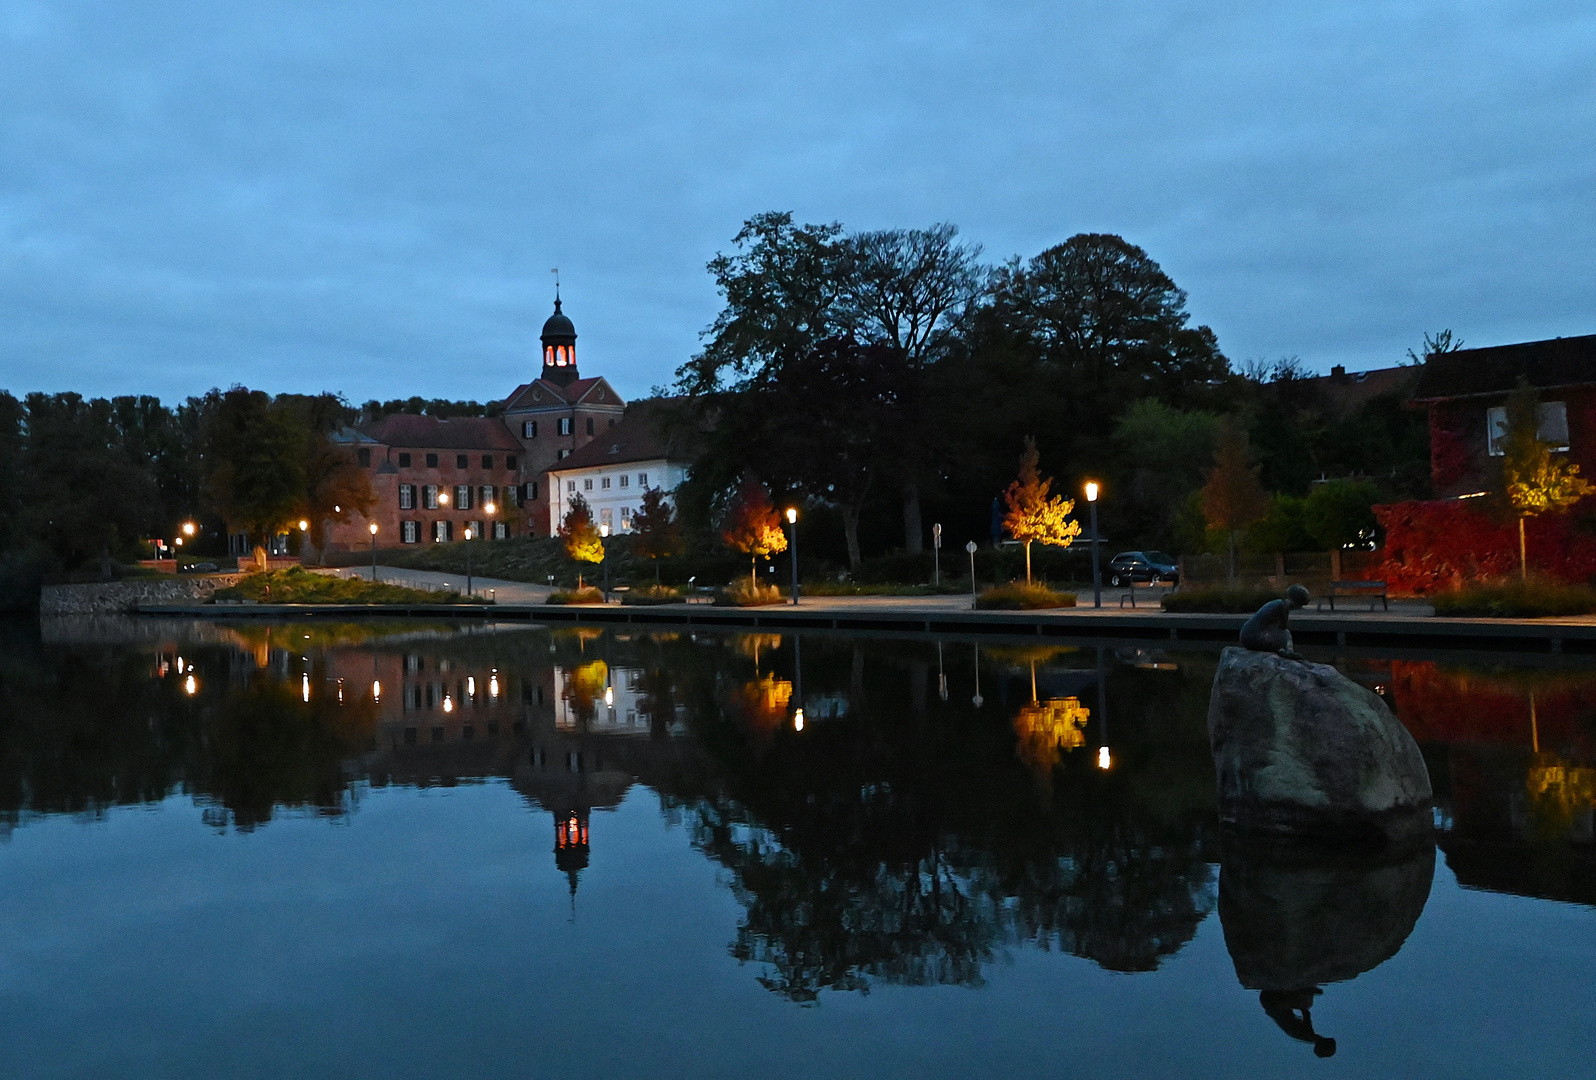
414	849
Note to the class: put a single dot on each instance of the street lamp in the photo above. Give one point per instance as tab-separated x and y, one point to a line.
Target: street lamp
489	508
936	555
1097	574
970	547
604	534
373	528
792	520
188	528
468	558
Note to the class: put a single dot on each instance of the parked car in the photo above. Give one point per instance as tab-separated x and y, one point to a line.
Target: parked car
1132	566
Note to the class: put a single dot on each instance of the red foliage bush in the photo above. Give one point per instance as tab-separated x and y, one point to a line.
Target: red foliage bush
1431	546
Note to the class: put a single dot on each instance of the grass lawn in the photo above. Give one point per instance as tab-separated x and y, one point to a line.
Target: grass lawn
296	585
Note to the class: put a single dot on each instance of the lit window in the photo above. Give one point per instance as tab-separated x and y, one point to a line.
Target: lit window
626	517
410	532
462	497
607	518
1551	426
407	496
429	496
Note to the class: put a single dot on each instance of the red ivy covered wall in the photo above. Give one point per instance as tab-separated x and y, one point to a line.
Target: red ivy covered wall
1437	545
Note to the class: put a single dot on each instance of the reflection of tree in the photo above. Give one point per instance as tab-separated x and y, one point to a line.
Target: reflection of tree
1558	792
763	702
1044	728
584	689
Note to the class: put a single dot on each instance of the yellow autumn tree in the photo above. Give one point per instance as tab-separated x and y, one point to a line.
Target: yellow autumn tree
1537	481
580	536
752	526
1033	516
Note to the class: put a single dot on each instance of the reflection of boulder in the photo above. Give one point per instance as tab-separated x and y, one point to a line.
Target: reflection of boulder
1301	749
1297	915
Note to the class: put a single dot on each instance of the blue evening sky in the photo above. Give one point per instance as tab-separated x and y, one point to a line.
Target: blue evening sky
368	197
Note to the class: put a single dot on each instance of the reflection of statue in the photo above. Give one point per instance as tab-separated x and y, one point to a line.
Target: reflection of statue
1297	916
1284	1007
1268	631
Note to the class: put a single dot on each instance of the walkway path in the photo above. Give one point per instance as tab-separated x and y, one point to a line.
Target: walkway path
505	592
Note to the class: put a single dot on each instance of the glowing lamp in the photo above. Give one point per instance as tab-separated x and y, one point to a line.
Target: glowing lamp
188	528
792	515
443	498
191	686
489	508
604	530
609	695
1091	491
448	703
303	524
376	690
1103	758
373	528
798	720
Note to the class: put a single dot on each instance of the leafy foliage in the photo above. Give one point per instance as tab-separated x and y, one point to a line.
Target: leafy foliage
752	525
296	585
1026	597
1033	515
1516	599
580	536
1537	482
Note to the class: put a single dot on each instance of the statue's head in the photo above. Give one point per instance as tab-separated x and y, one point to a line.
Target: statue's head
1297	596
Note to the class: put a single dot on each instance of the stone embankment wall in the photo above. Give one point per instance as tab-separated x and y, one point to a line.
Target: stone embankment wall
102	598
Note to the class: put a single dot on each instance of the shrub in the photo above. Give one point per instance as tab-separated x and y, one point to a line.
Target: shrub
1220	600
1019	596
588	595
1510	599
742	593
295	585
652	594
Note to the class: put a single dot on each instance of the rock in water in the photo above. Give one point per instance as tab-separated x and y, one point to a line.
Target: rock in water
1300	749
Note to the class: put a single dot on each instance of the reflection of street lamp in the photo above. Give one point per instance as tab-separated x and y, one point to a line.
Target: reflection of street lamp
373	528
1097	576
792	520
977	699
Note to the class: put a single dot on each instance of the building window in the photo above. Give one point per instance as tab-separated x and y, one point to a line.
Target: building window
432	461
404	461
605	483
442	532
561	455
429	496
462	496
365	458
590	425
473	530
532	491
625	479
587	484
642	480
607	518
565	425
570	485
487	461
509	461
410	532
529	429
484	494
462	461
501	530
626	517
1551	426
407	496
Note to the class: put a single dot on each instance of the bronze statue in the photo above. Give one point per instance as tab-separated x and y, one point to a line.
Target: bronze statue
1268	630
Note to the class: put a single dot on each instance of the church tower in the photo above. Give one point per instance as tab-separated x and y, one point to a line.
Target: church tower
559	347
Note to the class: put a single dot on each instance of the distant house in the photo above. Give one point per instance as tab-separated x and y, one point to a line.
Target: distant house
1466	393
614	470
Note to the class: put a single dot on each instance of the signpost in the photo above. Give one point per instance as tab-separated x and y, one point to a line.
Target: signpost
936	554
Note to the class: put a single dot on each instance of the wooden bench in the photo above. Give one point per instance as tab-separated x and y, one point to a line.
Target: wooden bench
1356	590
1131	587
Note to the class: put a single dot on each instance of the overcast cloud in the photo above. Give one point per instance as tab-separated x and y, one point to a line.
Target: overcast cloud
368	197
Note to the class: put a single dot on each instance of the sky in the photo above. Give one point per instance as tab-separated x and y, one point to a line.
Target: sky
369	197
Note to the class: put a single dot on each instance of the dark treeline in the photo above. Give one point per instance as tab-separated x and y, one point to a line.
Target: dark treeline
86	482
888	379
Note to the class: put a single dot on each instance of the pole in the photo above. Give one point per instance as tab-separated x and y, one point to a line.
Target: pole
1097	574
970	547
374	557
936	555
468	562
794	563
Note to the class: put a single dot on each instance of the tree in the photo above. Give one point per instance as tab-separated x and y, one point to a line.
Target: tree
1336	514
335	484
654	524
752	525
1232	497
254	464
1536	481
1032	515
580	536
1439	344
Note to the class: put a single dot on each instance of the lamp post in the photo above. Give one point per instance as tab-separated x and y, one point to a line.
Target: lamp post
489	508
1097	575
936	555
970	547
604	534
792	520
373	528
468	558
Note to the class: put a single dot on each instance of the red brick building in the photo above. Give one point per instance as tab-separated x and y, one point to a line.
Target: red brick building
434	478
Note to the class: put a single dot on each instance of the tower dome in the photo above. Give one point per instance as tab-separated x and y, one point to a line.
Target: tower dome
559	347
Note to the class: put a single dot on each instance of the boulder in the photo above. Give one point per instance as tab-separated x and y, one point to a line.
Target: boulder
1300	749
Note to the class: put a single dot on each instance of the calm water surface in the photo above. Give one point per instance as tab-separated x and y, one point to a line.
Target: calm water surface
418	850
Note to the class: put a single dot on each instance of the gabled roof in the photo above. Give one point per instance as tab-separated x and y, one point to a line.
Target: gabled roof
1548	365
1344	392
453	433
545	394
642	435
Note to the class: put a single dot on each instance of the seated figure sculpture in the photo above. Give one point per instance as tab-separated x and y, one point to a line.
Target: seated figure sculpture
1268	630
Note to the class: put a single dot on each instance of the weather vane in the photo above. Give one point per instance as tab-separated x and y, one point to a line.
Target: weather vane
556	273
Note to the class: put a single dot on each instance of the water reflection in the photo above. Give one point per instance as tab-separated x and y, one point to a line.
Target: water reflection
875	824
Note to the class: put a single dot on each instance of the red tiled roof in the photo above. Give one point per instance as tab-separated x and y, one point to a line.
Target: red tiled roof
555	394
642	435
455	433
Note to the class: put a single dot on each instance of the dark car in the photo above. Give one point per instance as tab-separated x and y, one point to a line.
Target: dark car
1132	566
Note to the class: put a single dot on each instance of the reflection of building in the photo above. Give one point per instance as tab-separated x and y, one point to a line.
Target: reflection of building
570	844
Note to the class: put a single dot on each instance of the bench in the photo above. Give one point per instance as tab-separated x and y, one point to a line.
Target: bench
1131	587
1356	590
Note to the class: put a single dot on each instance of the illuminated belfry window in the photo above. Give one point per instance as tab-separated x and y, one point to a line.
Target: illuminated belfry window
559	347
570	845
